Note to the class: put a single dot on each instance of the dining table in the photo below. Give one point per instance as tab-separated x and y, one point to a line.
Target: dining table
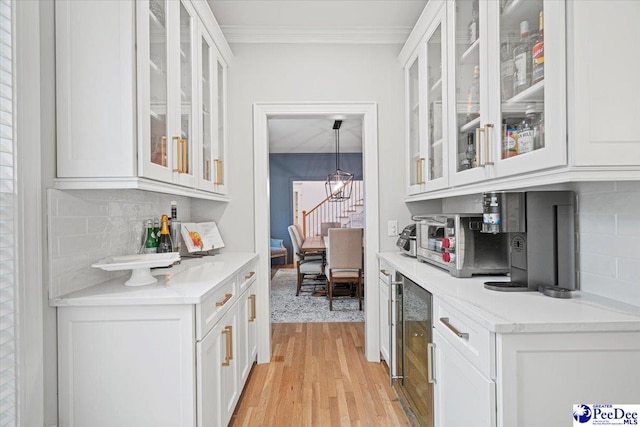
313	244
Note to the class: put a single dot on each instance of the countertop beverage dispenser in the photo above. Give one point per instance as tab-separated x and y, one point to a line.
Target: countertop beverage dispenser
541	227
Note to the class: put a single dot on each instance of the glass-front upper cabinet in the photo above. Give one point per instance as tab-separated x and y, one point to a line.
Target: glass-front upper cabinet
426	82
510	84
213	75
167	31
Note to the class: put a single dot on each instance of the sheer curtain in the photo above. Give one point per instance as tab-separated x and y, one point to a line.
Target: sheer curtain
8	203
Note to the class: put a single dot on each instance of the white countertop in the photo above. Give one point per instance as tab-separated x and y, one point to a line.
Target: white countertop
518	312
186	283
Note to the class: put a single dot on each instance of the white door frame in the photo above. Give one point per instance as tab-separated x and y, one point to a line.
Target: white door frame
368	111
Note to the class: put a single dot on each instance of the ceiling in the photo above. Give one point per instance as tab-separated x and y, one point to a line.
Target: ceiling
316	21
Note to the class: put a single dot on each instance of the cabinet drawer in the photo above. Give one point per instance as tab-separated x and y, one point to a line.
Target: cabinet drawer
474	342
209	311
247	276
385	271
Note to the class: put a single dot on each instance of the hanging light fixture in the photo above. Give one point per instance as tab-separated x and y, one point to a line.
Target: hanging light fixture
338	184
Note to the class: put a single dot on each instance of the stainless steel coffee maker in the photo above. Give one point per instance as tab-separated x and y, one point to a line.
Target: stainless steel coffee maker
541	225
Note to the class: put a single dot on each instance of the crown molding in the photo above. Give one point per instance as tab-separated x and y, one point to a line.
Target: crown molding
299	34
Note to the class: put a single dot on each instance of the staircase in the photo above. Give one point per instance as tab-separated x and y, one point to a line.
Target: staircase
349	213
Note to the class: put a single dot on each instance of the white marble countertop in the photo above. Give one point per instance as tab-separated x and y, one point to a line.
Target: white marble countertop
186	283
518	312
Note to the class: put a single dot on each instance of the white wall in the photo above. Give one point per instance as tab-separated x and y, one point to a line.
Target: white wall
314	73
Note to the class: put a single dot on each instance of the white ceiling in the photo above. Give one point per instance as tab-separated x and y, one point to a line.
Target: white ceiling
316	21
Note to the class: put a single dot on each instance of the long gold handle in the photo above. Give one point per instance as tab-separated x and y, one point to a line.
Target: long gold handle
418	171
445	322
252	297
219	174
185	159
488	131
228	356
480	156
163	151
250	275
207	170
227	297
177	160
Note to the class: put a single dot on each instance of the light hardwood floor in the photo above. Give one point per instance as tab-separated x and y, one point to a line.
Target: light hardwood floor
319	376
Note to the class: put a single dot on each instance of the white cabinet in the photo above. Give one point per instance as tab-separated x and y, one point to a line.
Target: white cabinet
426	104
145	109
463	370
462	395
158	364
603	89
386	316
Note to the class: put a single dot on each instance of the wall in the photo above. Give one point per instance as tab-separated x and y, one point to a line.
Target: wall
314	73
285	168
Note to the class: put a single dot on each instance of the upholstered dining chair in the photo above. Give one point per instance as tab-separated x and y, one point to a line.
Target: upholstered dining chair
325	226
344	260
309	264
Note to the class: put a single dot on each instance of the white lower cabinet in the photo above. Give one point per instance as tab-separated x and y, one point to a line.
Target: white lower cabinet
385	314
157	365
462	395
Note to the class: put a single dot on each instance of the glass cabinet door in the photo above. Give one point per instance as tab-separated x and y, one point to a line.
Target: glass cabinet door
206	98
185	94
220	142
435	117
157	147
415	156
468	87
531	115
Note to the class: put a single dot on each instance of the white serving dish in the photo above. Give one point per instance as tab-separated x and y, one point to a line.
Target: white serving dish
139	264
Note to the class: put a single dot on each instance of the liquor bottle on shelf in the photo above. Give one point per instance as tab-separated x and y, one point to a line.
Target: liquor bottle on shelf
522	61
509	140
537	54
156	227
506	67
175	226
473	97
164	240
151	241
538	132
471	151
525	130
474	26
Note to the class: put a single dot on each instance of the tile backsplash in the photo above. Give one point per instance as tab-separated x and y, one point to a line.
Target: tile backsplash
85	226
609	239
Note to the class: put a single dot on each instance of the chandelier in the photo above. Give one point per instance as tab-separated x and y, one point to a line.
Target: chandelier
338	184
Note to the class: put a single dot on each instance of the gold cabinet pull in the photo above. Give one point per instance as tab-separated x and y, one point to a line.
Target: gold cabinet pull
249	275
207	170
184	165
163	151
445	322
227	297
219	174
488	131
480	155
252	298
177	160
385	272
228	356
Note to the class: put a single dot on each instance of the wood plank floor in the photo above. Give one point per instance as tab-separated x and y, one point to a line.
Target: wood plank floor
319	376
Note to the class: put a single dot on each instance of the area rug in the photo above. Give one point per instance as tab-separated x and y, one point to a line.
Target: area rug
286	307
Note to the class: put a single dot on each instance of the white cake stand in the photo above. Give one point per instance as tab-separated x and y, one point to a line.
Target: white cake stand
140	266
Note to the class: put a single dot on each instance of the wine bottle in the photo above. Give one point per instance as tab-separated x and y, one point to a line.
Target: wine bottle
522	61
537	53
151	242
175	227
164	241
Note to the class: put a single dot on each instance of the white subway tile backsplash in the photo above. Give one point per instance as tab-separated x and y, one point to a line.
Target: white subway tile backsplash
602	187
608	203
619	291
86	226
596	224
602	265
629	271
628	187
629	225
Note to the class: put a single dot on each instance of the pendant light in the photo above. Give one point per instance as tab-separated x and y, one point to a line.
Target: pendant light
338	184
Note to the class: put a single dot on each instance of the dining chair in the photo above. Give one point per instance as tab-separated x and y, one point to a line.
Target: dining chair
309	264
344	260
325	226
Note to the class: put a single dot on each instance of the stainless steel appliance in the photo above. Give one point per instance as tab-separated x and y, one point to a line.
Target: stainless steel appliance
541	227
455	242
414	348
407	240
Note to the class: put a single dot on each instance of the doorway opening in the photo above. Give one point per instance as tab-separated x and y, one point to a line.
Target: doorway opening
367	113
